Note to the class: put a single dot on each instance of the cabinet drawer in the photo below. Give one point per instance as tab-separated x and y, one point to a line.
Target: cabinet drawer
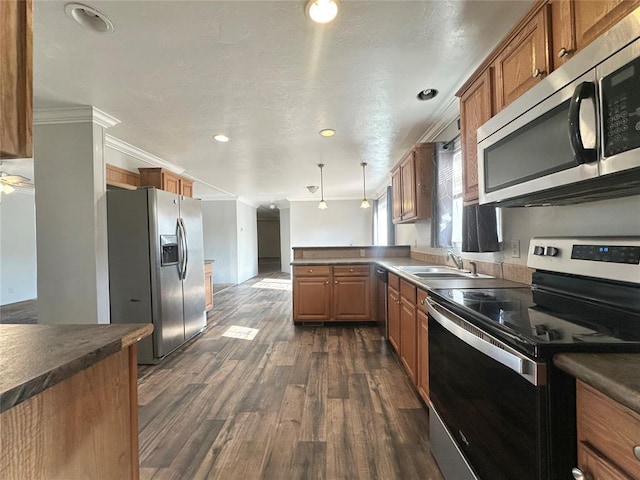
351	270
312	271
394	282
422	301
610	428
408	292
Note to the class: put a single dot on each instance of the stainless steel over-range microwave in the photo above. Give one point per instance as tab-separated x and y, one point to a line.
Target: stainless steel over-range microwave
573	137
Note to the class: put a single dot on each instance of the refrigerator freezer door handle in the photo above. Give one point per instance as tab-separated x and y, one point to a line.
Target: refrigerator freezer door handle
186	249
180	251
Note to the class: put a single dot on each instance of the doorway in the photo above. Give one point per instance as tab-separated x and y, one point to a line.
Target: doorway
268	239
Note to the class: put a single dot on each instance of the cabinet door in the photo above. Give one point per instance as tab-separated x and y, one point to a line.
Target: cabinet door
312	298
170	182
208	287
524	61
396	191
594	17
408	182
351	298
408	337
16	93
597	467
562	32
475	109
423	356
393	318
186	187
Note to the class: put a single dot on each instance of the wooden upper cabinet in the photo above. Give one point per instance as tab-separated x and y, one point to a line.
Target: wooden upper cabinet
524	61
475	109
16	79
165	180
563	39
412	185
119	177
594	17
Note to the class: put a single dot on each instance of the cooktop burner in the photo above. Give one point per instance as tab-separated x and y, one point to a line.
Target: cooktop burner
515	315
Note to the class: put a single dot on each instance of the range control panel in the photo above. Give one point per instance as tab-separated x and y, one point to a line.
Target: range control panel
614	258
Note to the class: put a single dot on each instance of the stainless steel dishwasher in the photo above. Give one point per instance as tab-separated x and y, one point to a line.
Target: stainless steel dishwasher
382	278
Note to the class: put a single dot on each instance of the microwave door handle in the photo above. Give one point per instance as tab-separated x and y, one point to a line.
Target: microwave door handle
582	155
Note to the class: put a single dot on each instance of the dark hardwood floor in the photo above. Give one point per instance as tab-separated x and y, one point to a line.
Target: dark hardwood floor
293	403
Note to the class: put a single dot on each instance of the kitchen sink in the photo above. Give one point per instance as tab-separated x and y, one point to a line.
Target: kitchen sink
420	269
426	272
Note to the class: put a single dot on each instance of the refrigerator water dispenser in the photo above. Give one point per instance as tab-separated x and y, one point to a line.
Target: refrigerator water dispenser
169	245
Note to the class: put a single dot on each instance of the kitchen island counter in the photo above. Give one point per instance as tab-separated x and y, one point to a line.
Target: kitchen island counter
617	375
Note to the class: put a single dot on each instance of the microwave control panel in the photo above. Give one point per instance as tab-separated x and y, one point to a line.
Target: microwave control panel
621	109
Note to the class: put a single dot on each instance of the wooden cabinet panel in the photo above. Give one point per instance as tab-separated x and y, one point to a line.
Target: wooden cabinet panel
312	298
119	177
524	61
423	355
208	286
170	182
597	467
166	180
608	427
562	32
408	337
351	270
186	187
351	298
312	271
393	317
16	79
594	17
412	185
396	192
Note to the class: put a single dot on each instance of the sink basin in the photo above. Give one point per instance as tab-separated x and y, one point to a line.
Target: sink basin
426	272
419	269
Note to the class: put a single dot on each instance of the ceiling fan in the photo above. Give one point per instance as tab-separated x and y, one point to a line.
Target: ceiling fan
8	182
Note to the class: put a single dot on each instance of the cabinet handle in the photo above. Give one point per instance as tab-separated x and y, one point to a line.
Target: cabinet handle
537	73
335	281
327	282
579	474
421	302
351	269
311	270
636	451
563	52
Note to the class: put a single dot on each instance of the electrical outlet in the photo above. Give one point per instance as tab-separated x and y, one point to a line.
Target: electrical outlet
362	252
10	290
515	248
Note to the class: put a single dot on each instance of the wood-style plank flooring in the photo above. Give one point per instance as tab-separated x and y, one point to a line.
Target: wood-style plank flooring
293	403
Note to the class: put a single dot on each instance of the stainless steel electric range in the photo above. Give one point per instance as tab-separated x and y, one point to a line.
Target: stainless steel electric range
499	409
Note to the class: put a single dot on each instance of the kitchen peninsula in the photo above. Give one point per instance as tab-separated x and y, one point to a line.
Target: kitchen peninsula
68	401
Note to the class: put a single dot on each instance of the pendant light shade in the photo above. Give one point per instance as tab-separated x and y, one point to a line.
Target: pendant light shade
322	205
365	202
322	11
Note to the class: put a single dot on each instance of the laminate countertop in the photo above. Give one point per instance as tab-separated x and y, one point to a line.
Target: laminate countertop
617	375
392	263
36	357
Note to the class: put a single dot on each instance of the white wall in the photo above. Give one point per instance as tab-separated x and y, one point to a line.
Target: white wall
220	239
247	242
268	238
286	254
17	247
343	223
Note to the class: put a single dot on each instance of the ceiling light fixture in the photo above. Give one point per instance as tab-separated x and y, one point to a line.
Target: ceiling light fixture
322	11
327	132
312	188
427	94
322	205
89	17
365	202
221	138
272	206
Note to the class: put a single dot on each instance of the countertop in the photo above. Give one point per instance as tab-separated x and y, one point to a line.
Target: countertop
391	264
36	357
617	375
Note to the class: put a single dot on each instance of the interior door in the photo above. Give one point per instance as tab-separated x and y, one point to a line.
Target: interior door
195	316
169	327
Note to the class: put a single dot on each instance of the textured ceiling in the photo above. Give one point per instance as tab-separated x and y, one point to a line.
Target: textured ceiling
176	73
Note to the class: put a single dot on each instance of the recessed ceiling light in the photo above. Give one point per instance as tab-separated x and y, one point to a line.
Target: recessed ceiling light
322	11
89	17
221	138
327	132
427	94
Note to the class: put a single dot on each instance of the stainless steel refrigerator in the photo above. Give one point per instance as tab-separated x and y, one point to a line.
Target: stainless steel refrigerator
156	267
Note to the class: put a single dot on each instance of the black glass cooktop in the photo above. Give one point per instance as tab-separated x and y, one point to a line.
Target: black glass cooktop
540	323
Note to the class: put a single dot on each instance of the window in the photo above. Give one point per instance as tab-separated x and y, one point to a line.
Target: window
383	231
447	227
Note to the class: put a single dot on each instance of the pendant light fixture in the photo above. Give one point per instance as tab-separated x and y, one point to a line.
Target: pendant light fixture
365	202
322	205
322	11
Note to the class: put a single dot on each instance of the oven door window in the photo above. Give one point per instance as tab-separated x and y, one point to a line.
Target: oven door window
494	415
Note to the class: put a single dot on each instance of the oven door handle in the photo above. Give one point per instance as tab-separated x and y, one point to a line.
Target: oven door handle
520	364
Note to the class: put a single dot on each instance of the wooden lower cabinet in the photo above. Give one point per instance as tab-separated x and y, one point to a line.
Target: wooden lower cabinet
393	312
608	436
408	330
325	293
422	376
208	286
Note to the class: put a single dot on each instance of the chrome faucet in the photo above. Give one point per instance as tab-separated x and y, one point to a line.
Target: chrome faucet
457	259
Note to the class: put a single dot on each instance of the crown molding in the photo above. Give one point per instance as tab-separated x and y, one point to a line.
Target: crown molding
447	113
116	144
50	116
